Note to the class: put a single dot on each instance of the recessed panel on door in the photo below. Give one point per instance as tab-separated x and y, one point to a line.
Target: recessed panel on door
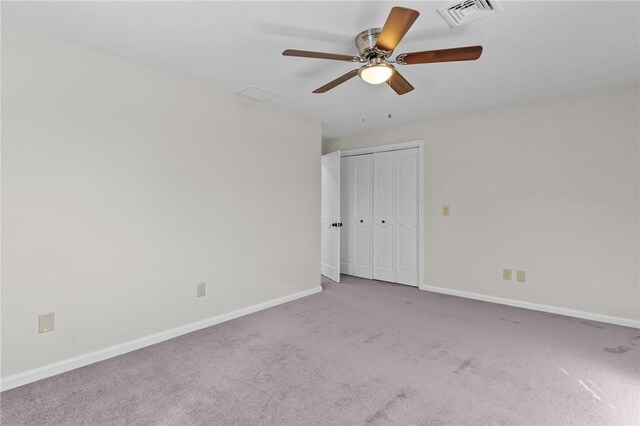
362	171
406	214
383	216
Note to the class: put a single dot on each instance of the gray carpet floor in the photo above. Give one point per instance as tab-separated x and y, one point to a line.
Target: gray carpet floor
360	352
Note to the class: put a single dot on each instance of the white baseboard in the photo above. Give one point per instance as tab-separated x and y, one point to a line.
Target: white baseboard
49	370
626	322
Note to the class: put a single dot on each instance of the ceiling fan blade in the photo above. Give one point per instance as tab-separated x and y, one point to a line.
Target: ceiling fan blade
398	23
320	55
336	82
399	84
470	53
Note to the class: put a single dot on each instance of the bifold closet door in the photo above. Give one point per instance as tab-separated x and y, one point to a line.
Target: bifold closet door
379	202
361	191
395	209
383	216
346	180
406	217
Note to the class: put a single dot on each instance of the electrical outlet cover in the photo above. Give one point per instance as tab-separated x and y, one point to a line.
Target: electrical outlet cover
506	274
521	276
46	322
445	211
201	289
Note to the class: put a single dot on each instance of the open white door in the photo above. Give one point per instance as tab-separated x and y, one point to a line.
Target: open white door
330	217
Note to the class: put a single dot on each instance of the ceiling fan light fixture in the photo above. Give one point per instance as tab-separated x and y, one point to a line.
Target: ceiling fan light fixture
376	73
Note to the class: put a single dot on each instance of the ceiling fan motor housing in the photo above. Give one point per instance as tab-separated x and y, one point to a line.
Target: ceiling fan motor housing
366	44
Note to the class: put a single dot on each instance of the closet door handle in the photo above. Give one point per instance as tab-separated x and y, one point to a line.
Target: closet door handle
361	221
383	221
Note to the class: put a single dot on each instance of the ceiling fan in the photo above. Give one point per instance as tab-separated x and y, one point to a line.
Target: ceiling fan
376	46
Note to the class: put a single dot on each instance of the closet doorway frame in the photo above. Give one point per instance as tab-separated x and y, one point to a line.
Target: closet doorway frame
396	147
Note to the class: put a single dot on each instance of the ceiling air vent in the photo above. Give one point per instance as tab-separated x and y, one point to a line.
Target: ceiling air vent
468	10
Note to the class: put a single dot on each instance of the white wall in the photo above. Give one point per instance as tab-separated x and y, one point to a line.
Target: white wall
123	187
551	188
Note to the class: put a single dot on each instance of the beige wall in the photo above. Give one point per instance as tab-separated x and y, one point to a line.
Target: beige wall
551	188
123	187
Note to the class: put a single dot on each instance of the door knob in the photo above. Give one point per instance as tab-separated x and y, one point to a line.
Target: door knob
334	225
383	221
361	221
339	224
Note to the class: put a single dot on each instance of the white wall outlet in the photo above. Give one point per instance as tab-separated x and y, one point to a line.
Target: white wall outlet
46	322
521	276
201	289
506	274
445	210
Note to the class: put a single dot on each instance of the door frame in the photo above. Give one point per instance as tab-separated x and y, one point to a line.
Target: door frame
395	147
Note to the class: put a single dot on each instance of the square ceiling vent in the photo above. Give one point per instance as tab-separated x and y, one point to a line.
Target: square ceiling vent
257	94
468	11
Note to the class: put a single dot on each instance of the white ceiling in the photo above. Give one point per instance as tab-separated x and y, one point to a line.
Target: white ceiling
532	50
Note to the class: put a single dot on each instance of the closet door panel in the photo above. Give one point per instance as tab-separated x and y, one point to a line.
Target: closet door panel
362	190
383	216
406	213
345	215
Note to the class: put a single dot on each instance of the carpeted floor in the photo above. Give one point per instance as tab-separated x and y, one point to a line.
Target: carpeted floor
360	352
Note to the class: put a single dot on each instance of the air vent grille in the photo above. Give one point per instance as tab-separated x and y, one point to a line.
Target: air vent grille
468	11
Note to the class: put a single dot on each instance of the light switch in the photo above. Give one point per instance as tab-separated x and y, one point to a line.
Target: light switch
201	289
520	276
45	323
506	274
445	210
